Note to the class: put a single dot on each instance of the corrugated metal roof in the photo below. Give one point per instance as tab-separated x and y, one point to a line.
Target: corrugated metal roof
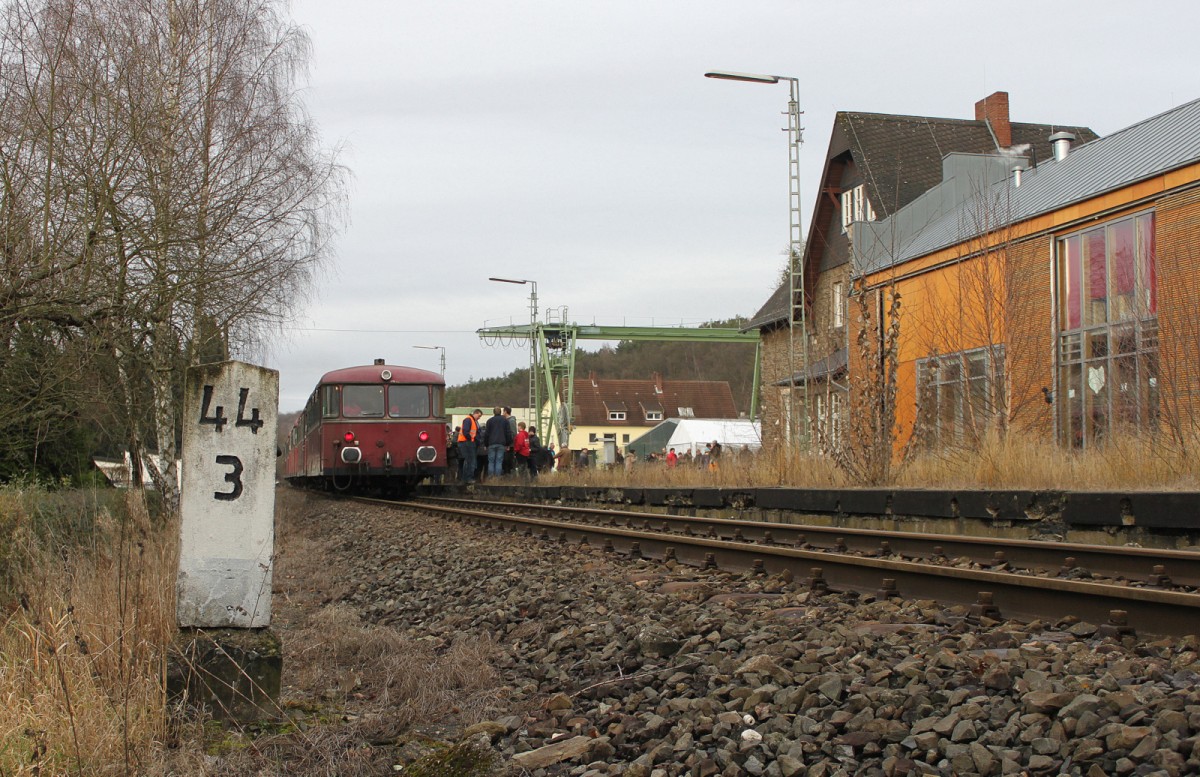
1151	147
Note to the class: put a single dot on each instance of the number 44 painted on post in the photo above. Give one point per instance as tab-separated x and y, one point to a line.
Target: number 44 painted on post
217	419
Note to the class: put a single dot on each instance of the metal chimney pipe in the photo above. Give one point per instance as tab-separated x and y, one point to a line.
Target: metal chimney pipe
1061	143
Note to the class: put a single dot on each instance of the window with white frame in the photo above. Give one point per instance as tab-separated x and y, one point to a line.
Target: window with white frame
829	411
1107	330
839	305
616	415
856	207
959	395
654	415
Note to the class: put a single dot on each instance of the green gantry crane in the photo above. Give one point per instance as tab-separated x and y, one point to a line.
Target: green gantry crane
552	360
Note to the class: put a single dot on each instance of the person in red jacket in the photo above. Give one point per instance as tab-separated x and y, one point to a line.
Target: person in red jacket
521	450
672	459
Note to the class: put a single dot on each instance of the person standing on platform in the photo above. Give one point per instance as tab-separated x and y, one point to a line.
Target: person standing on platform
510	462
468	434
498	439
538	456
521	450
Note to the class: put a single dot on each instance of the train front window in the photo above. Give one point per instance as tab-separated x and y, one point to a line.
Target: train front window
362	401
329	401
408	401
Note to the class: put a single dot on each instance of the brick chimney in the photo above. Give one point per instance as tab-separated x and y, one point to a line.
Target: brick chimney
994	109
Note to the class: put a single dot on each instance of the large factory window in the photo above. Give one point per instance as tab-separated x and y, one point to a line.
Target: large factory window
362	401
959	395
408	401
1107	330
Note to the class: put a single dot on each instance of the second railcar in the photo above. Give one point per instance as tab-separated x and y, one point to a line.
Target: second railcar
377	427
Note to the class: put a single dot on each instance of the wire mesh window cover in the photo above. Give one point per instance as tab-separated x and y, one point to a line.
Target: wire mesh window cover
1107	286
959	395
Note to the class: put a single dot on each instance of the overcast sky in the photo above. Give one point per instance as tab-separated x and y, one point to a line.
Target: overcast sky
577	143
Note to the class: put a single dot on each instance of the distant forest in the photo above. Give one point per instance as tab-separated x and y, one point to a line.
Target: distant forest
732	362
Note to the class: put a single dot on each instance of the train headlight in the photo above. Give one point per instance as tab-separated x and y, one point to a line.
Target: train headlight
423	436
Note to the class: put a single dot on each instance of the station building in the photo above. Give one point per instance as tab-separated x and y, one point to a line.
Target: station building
1056	296
876	165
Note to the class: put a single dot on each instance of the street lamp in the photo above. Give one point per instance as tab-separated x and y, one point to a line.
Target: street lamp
535	406
796	284
441	348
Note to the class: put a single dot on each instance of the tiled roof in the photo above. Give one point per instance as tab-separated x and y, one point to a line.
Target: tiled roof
1151	147
901	156
706	398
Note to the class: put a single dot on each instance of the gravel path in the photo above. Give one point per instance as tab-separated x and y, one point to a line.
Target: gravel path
566	660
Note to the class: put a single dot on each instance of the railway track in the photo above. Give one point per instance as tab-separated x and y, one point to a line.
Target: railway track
1122	590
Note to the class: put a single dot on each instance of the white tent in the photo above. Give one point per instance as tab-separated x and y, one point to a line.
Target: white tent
691	434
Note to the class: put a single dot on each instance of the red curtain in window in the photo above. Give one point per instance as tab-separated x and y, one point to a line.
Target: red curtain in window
1146	261
1097	278
1070	282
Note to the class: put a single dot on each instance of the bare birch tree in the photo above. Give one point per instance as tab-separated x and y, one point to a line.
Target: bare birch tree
186	190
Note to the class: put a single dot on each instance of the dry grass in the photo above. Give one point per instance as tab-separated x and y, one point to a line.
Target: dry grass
90	623
83	646
1127	462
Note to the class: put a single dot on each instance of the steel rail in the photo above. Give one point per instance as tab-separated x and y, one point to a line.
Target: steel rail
1158	567
1114	608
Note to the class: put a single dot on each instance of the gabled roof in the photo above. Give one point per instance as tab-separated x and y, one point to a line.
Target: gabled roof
900	157
705	398
1151	147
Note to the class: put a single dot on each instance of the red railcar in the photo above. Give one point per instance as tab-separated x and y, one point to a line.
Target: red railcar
373	428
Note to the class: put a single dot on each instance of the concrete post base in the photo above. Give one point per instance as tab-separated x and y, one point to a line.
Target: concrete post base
234	674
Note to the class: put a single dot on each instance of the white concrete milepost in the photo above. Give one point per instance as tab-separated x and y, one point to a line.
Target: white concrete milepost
228	496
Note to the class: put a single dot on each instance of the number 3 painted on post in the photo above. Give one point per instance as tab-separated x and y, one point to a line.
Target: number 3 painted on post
234	477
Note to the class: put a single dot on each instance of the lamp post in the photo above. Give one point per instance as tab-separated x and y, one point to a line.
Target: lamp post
535	404
796	281
437	348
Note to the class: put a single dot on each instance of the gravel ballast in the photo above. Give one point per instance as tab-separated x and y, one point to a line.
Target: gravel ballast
609	666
